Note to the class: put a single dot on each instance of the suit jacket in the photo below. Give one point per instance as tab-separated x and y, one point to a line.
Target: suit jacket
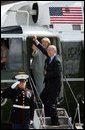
40	46
52	80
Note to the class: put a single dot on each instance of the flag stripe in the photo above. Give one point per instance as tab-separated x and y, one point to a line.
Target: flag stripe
66	20
72	13
76	22
66	23
68	15
70	7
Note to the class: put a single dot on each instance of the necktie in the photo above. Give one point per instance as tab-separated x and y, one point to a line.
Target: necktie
50	60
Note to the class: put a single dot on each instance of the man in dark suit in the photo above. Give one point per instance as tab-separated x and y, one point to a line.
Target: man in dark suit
52	84
23	102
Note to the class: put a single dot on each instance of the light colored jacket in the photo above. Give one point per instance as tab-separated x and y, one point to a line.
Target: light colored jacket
37	67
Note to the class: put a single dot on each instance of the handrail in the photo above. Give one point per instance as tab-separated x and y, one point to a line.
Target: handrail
77	109
33	85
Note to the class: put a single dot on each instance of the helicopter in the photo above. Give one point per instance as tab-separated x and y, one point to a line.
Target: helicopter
22	20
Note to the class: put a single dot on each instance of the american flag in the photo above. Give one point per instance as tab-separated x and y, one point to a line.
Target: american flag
66	15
